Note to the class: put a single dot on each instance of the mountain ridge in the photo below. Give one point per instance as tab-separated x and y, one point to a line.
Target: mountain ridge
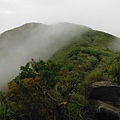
55	83
33	40
41	41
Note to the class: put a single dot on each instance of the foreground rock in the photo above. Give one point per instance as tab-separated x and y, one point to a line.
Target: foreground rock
105	91
105	111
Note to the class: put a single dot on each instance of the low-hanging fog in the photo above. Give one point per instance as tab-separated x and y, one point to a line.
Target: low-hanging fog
32	40
115	45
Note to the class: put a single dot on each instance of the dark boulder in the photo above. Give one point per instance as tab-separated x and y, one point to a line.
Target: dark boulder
105	91
105	111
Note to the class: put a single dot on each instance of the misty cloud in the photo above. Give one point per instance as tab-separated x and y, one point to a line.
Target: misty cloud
32	40
115	45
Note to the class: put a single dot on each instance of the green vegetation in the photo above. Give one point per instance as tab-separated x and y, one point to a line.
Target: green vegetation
113	70
58	88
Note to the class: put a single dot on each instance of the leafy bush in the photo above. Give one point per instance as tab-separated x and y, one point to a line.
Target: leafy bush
74	52
113	69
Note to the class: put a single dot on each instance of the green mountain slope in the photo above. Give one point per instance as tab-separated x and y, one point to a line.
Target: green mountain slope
33	40
90	52
58	89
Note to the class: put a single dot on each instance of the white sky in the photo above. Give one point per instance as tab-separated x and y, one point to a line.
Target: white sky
102	15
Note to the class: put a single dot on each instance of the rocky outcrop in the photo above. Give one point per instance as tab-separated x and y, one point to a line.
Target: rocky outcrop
107	96
105	111
105	91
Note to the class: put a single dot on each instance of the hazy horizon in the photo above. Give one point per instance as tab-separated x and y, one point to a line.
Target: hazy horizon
102	15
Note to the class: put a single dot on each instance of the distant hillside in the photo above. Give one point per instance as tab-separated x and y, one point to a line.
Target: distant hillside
90	40
33	40
88	54
30	34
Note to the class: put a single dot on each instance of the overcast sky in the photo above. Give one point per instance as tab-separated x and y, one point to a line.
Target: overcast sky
101	15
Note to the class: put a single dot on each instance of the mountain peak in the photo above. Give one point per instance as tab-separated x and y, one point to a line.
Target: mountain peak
41	41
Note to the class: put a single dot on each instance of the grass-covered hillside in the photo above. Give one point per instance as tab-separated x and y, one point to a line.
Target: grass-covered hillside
33	40
58	89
